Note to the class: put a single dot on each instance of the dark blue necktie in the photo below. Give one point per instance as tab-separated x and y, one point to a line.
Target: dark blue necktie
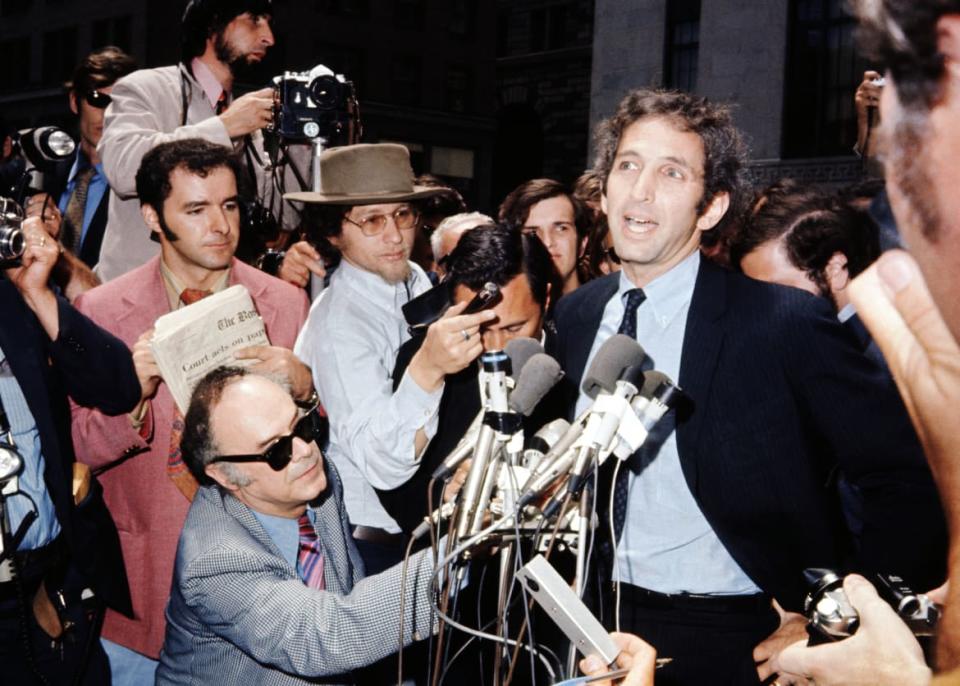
628	327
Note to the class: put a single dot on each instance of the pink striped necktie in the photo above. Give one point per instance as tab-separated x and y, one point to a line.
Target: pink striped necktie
310	558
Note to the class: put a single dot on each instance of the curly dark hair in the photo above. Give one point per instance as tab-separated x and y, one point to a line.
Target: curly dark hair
813	226
902	36
725	153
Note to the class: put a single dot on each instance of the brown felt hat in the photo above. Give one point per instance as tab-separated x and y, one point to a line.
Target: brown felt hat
365	174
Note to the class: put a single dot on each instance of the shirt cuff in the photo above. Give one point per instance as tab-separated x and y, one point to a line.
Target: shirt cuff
420	407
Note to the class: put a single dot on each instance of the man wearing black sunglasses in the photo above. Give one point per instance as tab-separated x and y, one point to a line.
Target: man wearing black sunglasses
76	212
268	585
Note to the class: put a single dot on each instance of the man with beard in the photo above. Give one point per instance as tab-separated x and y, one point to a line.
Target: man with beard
365	214
188	190
910	304
190	100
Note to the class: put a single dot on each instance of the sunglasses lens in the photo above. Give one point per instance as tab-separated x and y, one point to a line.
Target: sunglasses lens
279	454
98	99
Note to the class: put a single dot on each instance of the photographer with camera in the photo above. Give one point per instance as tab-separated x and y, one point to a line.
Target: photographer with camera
57	536
194	99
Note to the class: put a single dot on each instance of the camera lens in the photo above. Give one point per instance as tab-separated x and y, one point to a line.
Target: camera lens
325	92
11	243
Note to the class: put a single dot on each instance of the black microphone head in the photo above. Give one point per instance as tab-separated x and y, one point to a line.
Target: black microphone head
520	350
616	354
633	375
652	380
539	375
669	394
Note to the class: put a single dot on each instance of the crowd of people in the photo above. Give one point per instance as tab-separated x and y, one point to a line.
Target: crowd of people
260	535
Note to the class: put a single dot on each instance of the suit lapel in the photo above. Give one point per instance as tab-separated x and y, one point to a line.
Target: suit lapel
586	321
144	305
702	342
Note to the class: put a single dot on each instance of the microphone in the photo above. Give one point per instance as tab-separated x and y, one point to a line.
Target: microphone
538	376
540	443
495	368
609	410
520	350
632	433
539	373
617	354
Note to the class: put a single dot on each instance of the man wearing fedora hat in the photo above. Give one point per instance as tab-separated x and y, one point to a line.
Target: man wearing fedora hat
366	217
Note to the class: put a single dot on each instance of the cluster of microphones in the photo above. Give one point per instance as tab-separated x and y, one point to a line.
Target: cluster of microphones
527	483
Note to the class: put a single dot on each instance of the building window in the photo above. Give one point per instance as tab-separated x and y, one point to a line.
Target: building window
823	71
16	67
503	32
407	70
10	8
59	54
463	17
683	45
355	9
458	88
548	28
408	14
113	31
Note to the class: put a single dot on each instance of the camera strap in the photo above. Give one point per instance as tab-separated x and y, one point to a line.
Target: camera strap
6	433
184	97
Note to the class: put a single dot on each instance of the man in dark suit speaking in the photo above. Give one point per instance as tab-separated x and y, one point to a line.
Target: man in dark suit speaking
721	513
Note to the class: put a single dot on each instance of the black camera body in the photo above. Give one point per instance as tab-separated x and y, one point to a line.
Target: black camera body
316	104
12	241
831	617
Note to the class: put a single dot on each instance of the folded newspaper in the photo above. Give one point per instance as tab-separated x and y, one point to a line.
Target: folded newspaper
189	342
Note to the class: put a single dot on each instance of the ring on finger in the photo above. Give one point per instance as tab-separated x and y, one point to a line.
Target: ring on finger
466	336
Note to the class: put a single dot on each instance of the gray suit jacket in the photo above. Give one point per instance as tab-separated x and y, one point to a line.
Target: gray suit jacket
147	110
239	614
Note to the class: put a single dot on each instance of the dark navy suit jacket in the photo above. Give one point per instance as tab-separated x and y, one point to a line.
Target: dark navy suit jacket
96	369
780	397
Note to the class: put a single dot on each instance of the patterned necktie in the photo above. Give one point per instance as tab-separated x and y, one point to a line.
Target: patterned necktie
176	468
628	327
76	206
310	557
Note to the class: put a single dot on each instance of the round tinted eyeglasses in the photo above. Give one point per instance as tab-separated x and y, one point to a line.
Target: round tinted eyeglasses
312	426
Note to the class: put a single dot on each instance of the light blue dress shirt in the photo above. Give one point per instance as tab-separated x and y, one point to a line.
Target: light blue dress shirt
98	186
33	490
667	544
350	341
285	534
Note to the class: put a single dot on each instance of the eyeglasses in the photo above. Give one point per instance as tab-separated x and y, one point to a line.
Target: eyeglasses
97	99
373	225
312	426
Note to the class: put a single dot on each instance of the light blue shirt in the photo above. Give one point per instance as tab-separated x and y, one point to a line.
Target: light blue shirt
98	186
285	534
667	544
350	341
31	484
